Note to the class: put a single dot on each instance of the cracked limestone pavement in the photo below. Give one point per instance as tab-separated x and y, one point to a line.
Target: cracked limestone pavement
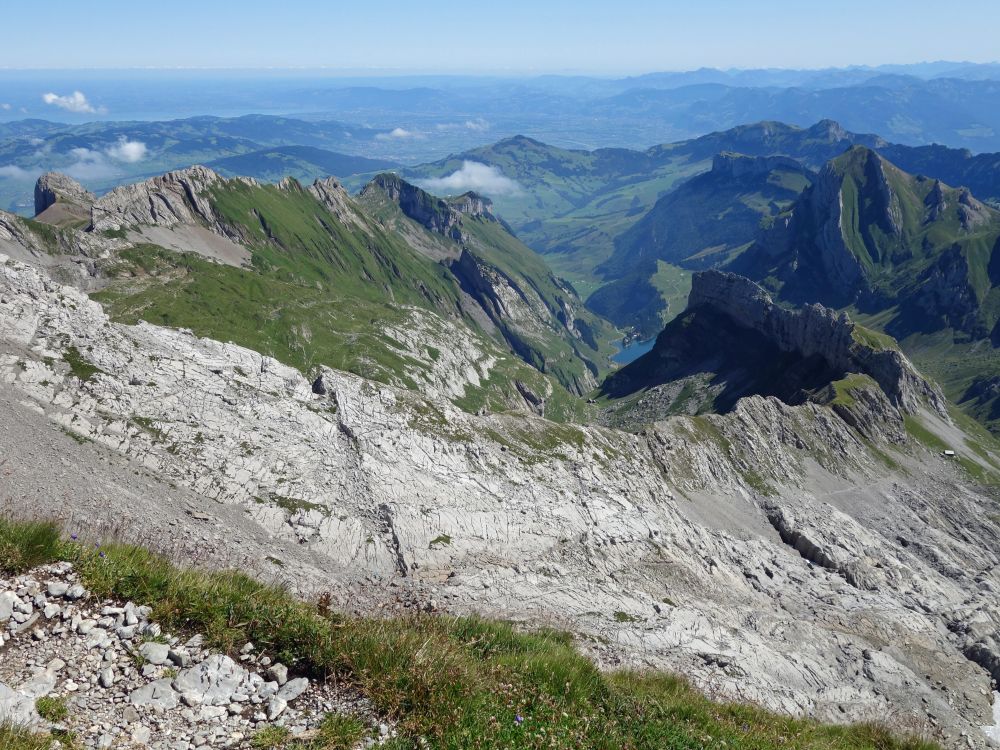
769	554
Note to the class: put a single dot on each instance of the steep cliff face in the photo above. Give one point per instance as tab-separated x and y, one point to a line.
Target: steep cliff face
867	233
73	199
734	341
817	331
168	200
337	200
738	166
538	315
427	210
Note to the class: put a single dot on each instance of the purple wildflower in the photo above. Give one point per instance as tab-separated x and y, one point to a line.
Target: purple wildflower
518	719
73	537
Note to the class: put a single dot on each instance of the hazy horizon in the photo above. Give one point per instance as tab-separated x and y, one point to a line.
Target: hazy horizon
584	36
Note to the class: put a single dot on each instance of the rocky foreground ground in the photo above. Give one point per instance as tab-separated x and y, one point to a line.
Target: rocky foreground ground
105	672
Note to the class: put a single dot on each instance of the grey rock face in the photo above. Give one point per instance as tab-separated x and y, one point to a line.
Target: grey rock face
159	693
737	166
155	653
53	186
814	330
761	553
475	205
168	200
433	213
332	194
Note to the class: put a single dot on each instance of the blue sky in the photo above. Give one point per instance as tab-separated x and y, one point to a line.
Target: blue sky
594	36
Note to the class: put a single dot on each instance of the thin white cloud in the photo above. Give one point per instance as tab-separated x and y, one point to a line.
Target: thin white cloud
5	107
75	102
397	134
14	172
127	151
479	125
474	176
89	165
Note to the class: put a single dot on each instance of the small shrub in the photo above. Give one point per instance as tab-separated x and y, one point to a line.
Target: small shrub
52	708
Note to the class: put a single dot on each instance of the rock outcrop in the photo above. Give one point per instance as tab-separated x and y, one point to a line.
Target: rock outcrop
738	166
168	200
434	214
332	194
816	331
53	187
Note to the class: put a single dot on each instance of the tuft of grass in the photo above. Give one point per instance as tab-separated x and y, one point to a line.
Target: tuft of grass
52	708
456	682
79	365
26	545
16	738
339	732
271	738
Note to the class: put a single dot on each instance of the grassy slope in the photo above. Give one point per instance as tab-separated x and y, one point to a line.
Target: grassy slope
318	292
563	354
458	683
704	220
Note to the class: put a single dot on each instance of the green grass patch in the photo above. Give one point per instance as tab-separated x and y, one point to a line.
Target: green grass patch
52	708
336	732
916	430
845	388
979	473
80	439
17	738
294	504
79	365
620	616
460	683
873	339
26	545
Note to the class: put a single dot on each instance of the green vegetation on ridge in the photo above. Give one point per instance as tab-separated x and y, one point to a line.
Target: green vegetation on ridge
318	291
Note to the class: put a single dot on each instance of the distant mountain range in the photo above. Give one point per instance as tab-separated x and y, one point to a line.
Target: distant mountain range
301	162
